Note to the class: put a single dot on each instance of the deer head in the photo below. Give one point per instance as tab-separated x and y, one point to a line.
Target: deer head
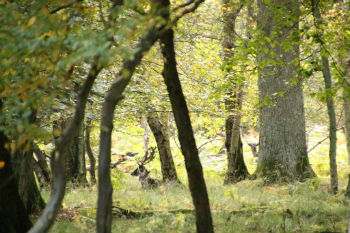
143	173
147	158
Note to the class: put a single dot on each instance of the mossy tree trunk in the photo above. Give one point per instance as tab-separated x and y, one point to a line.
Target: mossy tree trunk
282	148
163	143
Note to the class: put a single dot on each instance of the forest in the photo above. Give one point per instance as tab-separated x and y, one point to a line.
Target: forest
174	116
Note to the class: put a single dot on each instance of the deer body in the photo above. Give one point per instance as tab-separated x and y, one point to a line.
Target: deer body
143	174
146	181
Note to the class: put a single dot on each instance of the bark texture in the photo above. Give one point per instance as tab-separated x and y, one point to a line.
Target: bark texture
23	166
163	143
236	170
76	169
90	153
330	103
13	215
185	133
282	150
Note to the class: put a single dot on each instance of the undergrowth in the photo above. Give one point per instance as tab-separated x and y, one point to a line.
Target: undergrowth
248	206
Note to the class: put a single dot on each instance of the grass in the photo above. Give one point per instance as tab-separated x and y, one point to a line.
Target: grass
248	206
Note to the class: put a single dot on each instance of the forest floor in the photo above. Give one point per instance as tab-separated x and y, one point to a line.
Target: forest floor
248	206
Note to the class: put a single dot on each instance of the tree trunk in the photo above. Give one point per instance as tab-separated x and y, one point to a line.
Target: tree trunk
23	166
330	103
236	170
282	150
163	143
43	172
146	134
105	189
188	144
346	86
89	153
347	191
13	215
59	155
346	105
76	169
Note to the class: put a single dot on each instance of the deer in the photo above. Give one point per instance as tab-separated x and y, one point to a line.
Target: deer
143	174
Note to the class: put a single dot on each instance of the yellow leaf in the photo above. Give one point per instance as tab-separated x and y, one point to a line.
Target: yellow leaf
31	21
2	164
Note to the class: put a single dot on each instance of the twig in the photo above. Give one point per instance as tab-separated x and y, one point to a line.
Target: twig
320	142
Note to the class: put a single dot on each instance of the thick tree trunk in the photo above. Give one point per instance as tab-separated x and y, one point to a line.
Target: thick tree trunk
282	150
236	170
188	144
330	104
13	215
23	166
163	143
43	171
89	153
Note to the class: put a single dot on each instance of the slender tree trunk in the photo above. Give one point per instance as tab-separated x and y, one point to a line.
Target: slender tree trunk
330	103
13	215
105	189
23	166
188	144
104	203
146	134
347	191
89	153
81	157
163	143
43	169
236	170
59	155
346	84
346	105
282	148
